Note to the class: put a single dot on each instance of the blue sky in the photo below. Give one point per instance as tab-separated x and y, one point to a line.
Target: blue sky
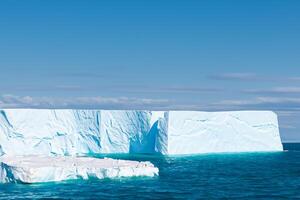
197	55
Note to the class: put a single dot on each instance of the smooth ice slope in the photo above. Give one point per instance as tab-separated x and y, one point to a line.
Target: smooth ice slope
35	169
73	132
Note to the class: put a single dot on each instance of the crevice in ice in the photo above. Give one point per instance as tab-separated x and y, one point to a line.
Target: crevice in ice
4	116
146	143
1	151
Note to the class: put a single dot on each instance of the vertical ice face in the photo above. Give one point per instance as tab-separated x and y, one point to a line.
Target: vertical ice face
161	129
69	132
209	132
64	132
125	131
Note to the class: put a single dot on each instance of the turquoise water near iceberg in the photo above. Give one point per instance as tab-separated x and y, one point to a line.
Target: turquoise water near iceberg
233	176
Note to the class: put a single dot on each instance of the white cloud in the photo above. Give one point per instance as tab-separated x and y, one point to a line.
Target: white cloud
259	100
277	100
11	101
235	76
275	90
286	126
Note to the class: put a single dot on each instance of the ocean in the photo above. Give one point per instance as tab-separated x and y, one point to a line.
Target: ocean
273	175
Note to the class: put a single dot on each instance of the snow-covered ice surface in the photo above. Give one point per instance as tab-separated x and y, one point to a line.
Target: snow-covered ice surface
35	169
76	132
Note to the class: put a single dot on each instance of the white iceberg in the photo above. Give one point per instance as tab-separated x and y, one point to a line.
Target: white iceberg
76	132
36	169
215	132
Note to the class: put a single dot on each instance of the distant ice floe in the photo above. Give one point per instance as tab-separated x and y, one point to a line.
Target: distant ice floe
37	169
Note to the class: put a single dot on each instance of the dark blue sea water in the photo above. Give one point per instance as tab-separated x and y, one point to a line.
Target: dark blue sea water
232	176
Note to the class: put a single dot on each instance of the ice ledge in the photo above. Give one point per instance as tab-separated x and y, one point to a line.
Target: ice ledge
37	169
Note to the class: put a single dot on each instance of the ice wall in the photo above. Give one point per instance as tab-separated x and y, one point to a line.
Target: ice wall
211	132
70	132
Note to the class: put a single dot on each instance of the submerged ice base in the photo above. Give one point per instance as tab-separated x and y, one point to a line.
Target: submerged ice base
76	132
36	169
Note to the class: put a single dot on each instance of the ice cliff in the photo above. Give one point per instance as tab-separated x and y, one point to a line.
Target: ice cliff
72	132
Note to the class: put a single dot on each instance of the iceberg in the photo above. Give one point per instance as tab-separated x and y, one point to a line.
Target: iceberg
37	169
217	132
51	132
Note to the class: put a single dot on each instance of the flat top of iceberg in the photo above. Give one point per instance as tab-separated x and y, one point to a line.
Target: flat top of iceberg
40	161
